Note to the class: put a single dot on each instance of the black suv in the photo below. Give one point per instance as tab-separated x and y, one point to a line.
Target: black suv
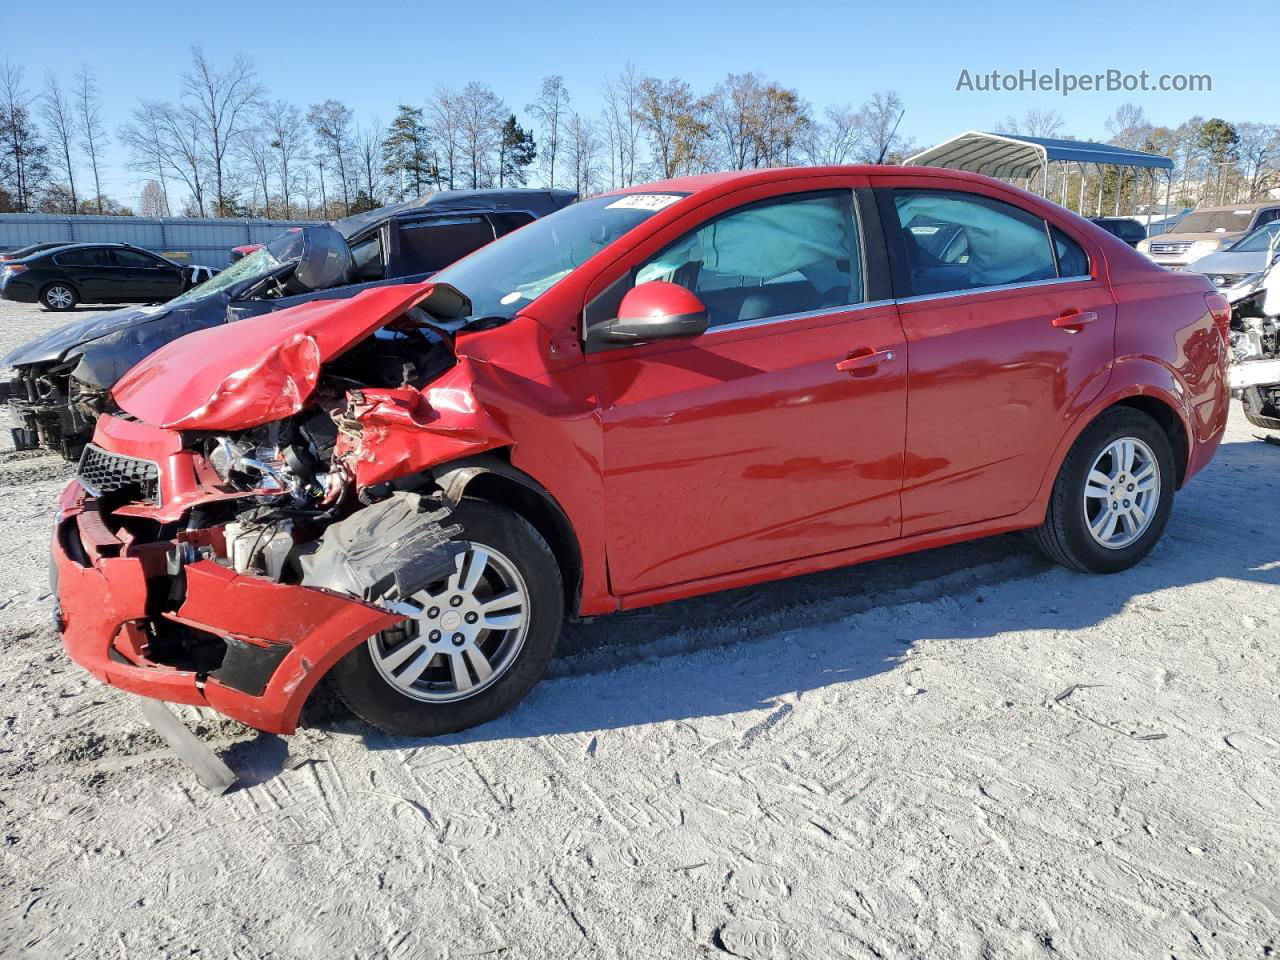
1130	231
91	273
63	378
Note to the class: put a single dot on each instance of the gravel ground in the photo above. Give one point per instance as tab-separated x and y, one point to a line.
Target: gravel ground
963	753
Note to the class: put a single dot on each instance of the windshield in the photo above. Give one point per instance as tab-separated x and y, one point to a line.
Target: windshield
260	263
1260	241
1215	221
505	275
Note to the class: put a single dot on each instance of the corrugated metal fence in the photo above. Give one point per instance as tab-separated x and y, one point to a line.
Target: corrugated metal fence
207	241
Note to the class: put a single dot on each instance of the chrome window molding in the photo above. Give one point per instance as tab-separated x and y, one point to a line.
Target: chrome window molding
996	288
808	315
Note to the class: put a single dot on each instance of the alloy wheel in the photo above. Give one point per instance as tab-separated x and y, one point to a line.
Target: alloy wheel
60	298
461	634
1121	493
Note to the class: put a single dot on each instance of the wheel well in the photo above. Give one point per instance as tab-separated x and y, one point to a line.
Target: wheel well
1170	423
536	506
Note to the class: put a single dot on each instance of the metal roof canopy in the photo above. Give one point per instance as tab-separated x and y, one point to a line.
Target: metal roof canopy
1008	156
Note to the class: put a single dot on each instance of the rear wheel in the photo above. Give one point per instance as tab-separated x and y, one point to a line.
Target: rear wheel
1256	410
59	296
474	643
1112	498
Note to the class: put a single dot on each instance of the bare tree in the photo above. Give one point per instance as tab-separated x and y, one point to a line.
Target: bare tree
481	115
881	117
148	150
253	147
1259	150
369	159
287	138
582	149
152	201
445	112
550	110
332	123
837	139
1034	123
219	105
93	136
735	111
622	125
57	114
1128	126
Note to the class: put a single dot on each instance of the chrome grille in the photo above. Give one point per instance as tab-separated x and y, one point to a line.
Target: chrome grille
1182	246
101	472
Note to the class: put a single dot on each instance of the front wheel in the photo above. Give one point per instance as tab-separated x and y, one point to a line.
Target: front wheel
1112	498
478	641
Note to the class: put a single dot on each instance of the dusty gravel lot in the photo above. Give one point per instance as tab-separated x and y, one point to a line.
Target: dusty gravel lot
965	753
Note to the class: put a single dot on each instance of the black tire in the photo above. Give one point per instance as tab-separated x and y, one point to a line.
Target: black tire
58	304
1255	410
1064	536
374	699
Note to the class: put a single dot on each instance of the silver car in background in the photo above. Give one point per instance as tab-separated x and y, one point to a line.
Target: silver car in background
1236	270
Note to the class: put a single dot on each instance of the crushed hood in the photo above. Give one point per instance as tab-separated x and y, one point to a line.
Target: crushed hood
58	344
264	368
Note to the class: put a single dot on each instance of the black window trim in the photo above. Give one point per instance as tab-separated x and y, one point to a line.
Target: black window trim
870	243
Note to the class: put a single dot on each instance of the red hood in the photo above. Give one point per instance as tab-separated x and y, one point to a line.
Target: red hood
255	371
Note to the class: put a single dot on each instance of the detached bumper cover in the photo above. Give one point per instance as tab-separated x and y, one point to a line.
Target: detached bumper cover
280	638
1253	373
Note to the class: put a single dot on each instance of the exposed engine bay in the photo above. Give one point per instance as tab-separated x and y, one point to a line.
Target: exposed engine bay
278	500
1255	351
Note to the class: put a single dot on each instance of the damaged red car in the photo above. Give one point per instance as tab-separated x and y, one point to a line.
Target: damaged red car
679	388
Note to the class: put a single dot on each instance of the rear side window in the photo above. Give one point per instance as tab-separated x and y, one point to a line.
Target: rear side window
88	257
504	223
1072	260
963	241
789	255
430	245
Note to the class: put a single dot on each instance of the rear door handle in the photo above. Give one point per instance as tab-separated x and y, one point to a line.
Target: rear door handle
864	363
1073	321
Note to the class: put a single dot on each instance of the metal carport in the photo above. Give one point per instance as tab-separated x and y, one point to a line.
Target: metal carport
1012	157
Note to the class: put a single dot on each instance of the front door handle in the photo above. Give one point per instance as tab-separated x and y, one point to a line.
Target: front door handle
1073	321
863	362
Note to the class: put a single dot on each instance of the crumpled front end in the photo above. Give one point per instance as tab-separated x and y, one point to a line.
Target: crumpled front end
230	555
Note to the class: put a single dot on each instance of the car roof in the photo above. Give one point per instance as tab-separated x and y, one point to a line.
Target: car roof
1237	206
538	201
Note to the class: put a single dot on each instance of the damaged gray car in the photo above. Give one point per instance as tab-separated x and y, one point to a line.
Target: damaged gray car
62	380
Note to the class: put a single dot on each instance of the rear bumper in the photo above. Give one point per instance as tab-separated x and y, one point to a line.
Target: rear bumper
280	639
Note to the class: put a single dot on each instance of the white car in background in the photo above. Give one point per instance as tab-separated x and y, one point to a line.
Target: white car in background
1207	231
1236	270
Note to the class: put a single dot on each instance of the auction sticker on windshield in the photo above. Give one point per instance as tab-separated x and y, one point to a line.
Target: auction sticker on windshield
644	201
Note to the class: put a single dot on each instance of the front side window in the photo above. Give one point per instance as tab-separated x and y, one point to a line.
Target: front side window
789	255
131	258
963	241
430	245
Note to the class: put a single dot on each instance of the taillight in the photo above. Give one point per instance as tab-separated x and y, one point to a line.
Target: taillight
1220	308
11	268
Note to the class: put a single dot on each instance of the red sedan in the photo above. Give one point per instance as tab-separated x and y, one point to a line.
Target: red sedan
670	390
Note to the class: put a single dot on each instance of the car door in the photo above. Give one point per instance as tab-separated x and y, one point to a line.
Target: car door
778	433
142	277
89	269
1008	336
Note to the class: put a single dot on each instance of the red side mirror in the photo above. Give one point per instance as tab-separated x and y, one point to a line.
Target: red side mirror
658	310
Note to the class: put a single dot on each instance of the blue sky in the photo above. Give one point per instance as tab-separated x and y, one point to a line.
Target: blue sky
832	52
